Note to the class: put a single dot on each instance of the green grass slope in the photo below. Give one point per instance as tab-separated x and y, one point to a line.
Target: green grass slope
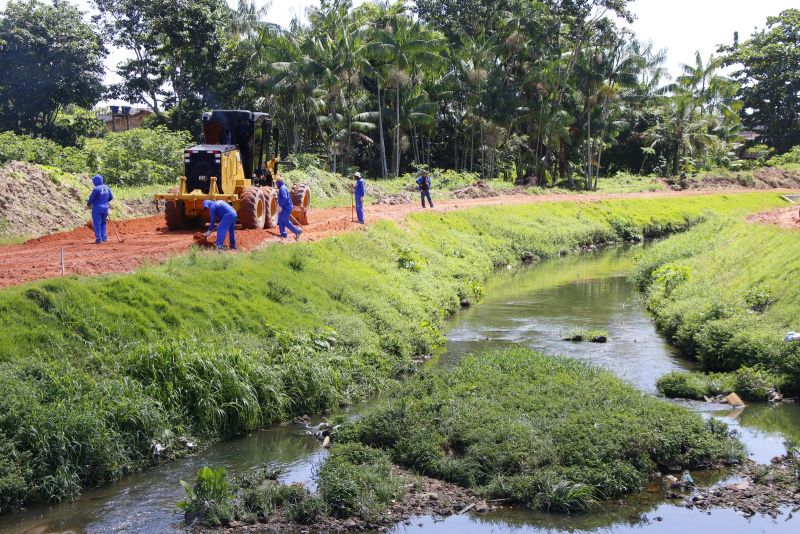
726	292
101	376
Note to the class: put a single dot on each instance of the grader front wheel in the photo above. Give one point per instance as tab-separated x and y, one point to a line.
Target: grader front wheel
271	200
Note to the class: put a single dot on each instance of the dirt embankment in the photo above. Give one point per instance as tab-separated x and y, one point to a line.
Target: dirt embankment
766	178
784	217
146	240
34	203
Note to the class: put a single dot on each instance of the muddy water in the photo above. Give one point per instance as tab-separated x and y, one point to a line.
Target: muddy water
534	307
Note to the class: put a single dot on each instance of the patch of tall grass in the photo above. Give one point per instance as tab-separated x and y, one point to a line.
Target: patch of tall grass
552	433
726	293
102	376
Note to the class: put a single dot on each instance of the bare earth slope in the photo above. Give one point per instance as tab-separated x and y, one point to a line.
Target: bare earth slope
145	240
34	203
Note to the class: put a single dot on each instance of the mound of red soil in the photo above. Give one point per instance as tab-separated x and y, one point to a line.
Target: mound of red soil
766	178
33	203
476	190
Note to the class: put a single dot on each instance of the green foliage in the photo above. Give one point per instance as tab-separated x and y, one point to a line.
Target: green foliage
553	433
750	383
787	158
755	383
138	157
51	58
94	370
769	75
544	491
304	161
729	313
141	156
15	147
358	480
689	385
209	499
305	510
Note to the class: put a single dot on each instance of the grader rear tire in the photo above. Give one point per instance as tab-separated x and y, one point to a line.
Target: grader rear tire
252	209
301	196
175	214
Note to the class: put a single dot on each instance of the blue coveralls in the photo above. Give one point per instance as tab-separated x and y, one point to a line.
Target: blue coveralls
224	212
424	187
359	191
98	201
286	205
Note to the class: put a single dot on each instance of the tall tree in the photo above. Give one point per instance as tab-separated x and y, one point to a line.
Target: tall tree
50	58
769	77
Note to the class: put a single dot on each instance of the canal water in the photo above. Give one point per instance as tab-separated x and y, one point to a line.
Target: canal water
533	306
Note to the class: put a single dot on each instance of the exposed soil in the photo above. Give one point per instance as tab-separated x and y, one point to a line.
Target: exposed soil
766	178
423	496
783	217
33	203
146	240
760	489
395	199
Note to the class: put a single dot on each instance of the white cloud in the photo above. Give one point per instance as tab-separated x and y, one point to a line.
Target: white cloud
684	26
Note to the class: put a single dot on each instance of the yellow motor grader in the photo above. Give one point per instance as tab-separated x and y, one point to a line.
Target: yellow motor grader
231	166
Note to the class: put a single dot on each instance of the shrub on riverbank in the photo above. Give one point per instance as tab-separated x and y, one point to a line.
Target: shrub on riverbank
725	293
749	383
552	433
102	376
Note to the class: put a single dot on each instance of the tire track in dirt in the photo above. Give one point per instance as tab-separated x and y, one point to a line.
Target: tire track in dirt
146	240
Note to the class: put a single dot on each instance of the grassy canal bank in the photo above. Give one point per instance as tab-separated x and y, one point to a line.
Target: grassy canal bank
103	376
726	293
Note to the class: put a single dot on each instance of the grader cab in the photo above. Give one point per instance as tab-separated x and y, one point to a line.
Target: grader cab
231	166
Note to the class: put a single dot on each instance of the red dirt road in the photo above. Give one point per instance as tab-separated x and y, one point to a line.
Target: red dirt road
783	217
146	240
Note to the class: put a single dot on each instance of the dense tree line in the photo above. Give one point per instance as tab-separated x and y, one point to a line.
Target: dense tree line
556	90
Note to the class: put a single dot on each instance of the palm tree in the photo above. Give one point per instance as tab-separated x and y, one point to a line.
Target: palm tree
409	50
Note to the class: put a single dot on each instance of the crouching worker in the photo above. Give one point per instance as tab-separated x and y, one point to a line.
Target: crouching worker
286	206
98	201
219	210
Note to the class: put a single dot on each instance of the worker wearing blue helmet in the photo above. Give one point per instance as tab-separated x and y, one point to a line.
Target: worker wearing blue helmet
98	201
219	210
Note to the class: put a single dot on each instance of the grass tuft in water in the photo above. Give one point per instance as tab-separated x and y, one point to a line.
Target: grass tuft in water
595	335
552	433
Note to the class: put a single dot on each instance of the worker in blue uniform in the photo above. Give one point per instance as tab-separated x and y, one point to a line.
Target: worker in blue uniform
219	210
424	188
286	206
98	200
359	190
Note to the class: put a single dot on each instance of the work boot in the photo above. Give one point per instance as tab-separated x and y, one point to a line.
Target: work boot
297	235
97	241
284	235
